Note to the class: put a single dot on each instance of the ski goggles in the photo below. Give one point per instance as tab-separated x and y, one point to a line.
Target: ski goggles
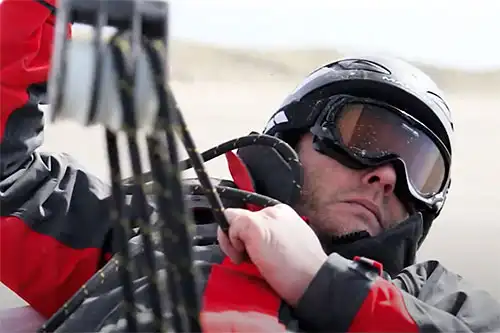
373	133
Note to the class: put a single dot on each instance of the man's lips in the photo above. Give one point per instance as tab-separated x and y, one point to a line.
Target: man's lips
370	206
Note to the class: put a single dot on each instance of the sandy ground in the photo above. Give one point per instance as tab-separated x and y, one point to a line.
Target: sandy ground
464	238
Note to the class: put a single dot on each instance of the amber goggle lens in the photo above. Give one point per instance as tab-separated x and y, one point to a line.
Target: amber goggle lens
373	131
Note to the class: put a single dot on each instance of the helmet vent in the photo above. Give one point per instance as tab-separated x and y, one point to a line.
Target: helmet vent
362	64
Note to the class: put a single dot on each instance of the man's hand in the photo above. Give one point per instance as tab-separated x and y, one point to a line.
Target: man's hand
284	248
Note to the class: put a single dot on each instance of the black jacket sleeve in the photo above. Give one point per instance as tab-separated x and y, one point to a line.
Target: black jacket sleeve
353	296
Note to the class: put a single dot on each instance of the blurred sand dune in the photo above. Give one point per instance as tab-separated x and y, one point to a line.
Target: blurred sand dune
228	93
196	61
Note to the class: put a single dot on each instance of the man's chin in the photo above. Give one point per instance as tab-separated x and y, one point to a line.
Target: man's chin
346	236
335	243
340	231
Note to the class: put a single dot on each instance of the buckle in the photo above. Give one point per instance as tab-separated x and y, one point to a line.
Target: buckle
370	264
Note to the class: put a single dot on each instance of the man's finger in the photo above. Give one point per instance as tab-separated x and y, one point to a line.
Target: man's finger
226	247
239	221
277	211
233	213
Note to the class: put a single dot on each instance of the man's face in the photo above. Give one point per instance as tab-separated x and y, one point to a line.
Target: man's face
339	200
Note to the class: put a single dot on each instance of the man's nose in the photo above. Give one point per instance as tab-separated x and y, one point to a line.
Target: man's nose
383	176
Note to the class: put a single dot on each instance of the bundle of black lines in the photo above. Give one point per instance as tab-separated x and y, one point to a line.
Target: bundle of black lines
118	78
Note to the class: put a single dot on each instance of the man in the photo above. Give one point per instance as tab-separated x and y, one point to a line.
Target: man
358	126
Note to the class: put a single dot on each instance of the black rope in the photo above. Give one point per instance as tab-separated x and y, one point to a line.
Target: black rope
119	48
285	151
100	22
122	230
174	222
170	199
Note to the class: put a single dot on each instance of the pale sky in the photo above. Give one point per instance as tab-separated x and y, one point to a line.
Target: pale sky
463	34
457	33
